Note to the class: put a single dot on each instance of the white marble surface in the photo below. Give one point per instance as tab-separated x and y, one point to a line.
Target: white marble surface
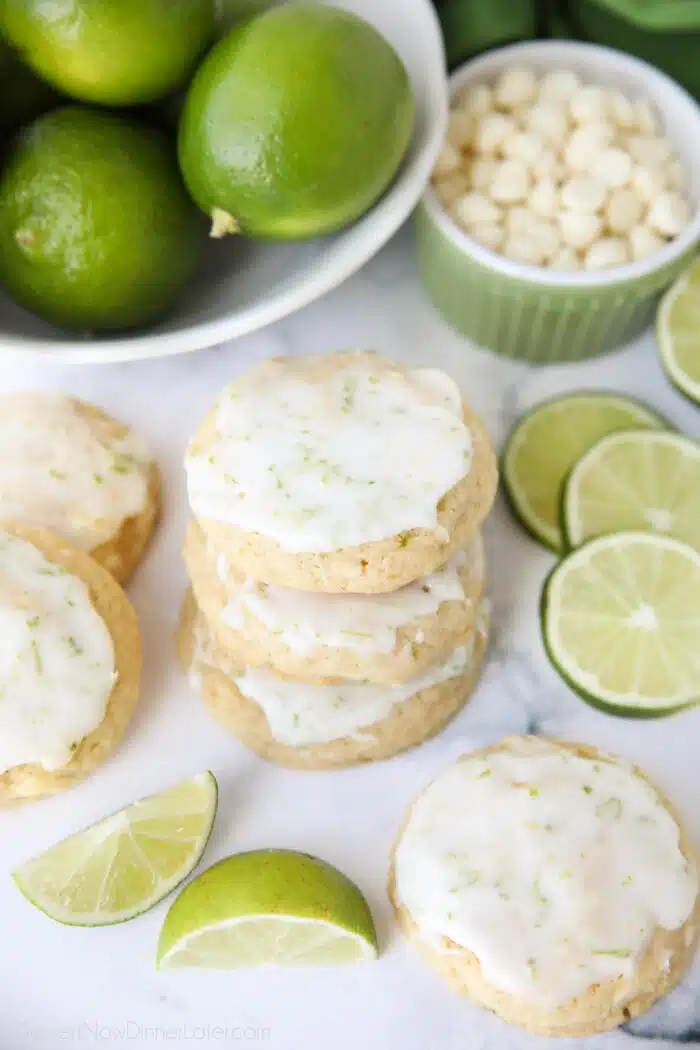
61	986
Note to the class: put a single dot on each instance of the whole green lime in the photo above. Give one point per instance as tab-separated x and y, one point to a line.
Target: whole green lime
23	96
295	123
96	229
110	52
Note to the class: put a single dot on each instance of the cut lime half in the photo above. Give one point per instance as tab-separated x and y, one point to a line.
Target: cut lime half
621	623
268	908
545	444
635	480
678	333
123	865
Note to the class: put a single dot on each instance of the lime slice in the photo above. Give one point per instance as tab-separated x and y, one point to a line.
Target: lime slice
639	479
126	863
546	443
621	623
268	907
678	332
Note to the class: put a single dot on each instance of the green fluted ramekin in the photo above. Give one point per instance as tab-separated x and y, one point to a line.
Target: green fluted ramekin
540	315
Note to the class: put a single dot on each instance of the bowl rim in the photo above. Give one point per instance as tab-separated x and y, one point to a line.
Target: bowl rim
353	248
490	63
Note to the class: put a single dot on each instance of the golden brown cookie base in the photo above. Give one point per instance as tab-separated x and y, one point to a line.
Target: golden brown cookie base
604	1006
30	782
409	724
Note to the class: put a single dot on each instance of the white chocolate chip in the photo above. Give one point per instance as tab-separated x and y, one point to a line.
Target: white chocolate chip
450	187
473	208
586	143
460	130
544	199
511	183
644	117
523	249
490	234
476	100
587	105
623	210
448	160
515	87
612	166
647	181
546	237
565	260
579	229
492	131
621	110
675	176
608	251
583	193
559	85
548	164
643	242
647	150
518	220
481	173
668	214
523	145
549	121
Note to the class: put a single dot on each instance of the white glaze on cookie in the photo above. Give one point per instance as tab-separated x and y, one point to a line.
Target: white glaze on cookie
554	870
59	472
57	666
320	465
305	621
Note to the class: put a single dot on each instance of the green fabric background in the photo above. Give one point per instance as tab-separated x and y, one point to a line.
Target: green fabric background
664	32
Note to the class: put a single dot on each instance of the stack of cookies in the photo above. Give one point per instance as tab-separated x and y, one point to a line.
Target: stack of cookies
336	612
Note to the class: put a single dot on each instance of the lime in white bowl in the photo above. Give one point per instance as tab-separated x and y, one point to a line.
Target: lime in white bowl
543	315
245	285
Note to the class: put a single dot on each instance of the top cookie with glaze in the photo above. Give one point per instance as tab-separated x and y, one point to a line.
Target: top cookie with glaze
340	472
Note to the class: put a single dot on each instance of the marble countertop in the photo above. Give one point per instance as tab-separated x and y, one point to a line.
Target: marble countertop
76	987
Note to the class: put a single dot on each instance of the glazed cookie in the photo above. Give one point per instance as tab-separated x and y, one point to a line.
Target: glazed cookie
71	664
340	472
326	727
549	882
318	637
67	466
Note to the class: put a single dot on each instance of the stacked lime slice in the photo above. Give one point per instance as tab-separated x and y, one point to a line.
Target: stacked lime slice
678	333
595	476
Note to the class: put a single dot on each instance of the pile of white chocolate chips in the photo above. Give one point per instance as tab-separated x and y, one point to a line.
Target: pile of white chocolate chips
549	171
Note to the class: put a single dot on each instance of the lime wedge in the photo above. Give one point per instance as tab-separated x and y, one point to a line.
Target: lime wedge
268	907
123	865
621	623
678	332
635	480
545	444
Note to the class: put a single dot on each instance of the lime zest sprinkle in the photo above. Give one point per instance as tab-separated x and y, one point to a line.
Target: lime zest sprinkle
36	653
532	966
76	650
57	474
533	791
486	773
611	807
98	479
566	875
616	953
587	788
538	892
627	881
33	622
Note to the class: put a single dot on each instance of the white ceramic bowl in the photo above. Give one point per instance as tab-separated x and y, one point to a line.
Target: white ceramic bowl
243	285
537	314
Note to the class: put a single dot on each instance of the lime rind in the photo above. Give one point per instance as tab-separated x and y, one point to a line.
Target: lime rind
515	492
677	376
570	523
617	707
65	917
